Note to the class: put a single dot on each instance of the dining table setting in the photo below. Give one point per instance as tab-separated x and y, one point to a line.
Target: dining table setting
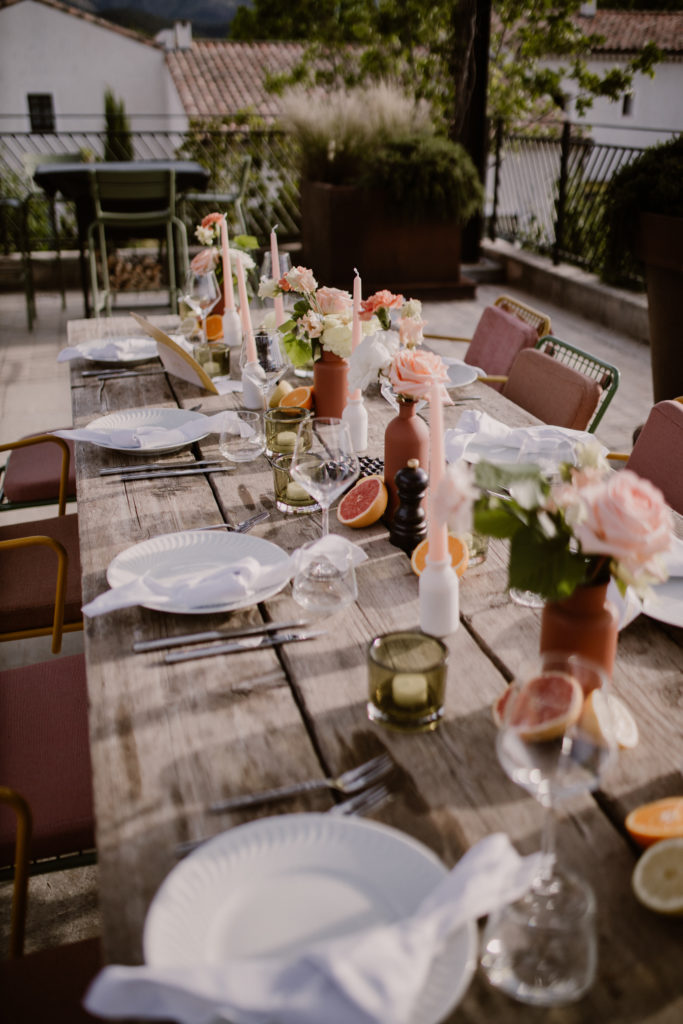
280	836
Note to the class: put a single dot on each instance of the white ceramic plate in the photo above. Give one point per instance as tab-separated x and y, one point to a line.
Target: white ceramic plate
176	556
287	882
132	349
460	373
131	419
665	603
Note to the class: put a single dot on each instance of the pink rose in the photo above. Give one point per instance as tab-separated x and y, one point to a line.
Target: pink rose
383	298
205	261
212	218
333	300
298	279
413	370
625	518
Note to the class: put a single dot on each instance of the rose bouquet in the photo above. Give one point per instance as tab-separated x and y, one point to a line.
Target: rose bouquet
591	523
209	258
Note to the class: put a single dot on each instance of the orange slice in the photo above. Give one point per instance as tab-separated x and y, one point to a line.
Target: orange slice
657	879
214	327
364	503
301	396
661	819
545	707
456	547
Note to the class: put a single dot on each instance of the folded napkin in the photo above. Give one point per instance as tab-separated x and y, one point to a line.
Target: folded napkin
117	350
150	436
479	436
374	976
673	559
206	587
334	548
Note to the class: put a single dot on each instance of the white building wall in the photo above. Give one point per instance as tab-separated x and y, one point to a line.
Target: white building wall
43	50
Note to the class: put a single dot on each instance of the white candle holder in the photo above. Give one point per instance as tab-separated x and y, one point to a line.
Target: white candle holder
253	386
439	598
356	416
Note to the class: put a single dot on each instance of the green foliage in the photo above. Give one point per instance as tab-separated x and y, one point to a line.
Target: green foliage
118	144
426	176
652	183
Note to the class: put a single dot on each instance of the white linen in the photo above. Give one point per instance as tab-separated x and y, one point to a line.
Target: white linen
332	547
119	350
374	976
149	436
205	588
479	436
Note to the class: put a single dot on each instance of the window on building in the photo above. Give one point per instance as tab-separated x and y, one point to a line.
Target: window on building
41	110
627	104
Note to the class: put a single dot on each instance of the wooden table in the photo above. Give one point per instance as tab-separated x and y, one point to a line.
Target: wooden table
167	740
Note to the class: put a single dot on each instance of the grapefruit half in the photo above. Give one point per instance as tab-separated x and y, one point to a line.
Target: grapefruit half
364	503
546	706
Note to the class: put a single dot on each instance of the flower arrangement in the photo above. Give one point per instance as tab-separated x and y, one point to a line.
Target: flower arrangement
592	523
209	258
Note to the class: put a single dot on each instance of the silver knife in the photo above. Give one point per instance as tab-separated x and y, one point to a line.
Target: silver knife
234	648
160	474
173	466
210	634
100	374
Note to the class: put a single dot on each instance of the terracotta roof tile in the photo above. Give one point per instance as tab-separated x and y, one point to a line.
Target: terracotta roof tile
628	31
218	78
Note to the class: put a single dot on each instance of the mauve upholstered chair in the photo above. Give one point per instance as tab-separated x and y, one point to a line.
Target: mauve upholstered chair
32	473
658	453
553	392
497	341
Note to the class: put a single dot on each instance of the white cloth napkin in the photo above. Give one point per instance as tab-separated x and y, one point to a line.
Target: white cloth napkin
116	350
479	436
150	436
332	547
206	587
374	976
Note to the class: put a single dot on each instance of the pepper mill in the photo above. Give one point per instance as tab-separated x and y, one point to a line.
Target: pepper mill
409	525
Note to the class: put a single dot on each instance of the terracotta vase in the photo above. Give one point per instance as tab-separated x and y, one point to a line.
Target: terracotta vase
406	437
330	384
585	623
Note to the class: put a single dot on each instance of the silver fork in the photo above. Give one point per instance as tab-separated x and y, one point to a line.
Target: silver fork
362	803
242	527
348	783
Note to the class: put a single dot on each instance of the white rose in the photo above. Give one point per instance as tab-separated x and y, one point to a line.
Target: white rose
336	335
268	288
412	308
204	235
244	258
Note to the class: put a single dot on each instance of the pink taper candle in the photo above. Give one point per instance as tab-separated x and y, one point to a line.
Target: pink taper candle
245	314
356	326
275	260
437	532
228	288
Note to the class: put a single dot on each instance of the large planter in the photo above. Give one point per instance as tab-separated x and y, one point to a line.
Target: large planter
661	250
344	227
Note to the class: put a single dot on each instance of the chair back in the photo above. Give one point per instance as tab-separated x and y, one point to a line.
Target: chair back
658	453
539	321
553	392
499	337
606	375
128	194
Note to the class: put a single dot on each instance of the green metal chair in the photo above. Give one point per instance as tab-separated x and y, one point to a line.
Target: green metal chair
132	203
219	200
606	375
14	236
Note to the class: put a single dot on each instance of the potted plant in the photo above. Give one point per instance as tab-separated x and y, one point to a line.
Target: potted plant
381	190
644	212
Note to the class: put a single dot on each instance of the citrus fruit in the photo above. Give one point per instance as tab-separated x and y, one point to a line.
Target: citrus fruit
499	705
604	715
364	503
214	327
283	388
657	879
456	547
546	706
661	819
301	396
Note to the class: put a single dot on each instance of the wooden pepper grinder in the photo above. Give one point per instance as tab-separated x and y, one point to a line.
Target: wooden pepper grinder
409	525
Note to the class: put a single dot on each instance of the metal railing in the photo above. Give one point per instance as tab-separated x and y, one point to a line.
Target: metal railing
548	192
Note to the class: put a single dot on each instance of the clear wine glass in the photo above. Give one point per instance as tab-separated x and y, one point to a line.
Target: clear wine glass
555	740
270	357
324	461
201	294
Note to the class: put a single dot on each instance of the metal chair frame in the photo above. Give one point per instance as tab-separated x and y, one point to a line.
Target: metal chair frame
222	199
7	506
589	365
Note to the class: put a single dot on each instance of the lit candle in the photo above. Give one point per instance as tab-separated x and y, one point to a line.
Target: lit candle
275	260
228	288
245	314
437	532
409	689
356	327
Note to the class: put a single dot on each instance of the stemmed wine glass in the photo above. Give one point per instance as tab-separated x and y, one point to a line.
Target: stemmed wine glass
555	739
201	294
270	357
324	461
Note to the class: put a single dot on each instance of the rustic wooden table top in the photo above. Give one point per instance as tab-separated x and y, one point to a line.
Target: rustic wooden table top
168	740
